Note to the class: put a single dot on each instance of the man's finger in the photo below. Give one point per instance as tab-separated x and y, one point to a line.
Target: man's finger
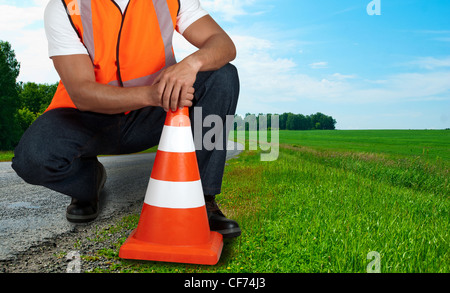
166	96
175	97
186	103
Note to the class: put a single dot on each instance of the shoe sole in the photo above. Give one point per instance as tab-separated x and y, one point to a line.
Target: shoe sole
80	218
230	233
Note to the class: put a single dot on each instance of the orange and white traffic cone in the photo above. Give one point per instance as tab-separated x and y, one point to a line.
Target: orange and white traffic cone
173	226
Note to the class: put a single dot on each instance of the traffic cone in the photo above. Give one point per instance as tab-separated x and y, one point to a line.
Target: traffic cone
173	226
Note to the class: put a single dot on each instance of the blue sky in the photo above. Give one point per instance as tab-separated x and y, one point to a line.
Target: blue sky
388	71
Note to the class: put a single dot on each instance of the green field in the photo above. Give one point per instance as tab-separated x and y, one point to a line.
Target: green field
329	200
428	144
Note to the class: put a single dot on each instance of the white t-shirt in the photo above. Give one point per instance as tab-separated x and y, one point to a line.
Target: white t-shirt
63	40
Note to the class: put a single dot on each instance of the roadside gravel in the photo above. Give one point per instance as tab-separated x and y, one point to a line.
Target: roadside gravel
52	256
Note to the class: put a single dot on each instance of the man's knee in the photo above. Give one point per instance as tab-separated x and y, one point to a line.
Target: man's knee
227	83
229	75
217	92
28	162
35	157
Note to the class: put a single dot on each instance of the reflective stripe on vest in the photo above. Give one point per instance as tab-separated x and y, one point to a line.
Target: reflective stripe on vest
127	49
88	29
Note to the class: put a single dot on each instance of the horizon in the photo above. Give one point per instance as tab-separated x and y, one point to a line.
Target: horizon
369	72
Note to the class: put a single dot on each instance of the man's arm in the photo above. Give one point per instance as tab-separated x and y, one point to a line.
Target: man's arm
77	74
215	50
215	46
172	89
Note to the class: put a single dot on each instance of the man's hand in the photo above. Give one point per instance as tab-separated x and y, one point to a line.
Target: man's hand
175	85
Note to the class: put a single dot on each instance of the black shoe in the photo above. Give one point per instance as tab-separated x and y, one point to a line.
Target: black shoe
218	222
86	211
82	211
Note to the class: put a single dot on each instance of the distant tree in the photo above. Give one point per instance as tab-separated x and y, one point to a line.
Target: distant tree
291	122
34	100
269	120
9	71
251	122
322	121
283	118
304	123
24	118
36	97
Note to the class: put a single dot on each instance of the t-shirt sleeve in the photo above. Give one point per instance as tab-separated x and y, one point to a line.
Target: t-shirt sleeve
190	12
61	36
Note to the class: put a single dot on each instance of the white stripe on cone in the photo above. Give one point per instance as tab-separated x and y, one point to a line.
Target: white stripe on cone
176	139
176	195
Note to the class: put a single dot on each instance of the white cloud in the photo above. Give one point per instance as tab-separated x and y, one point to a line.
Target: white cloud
279	85
431	62
22	26
36	66
319	65
411	87
14	18
438	35
228	9
339	76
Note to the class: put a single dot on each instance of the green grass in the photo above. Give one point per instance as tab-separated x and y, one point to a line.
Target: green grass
327	202
6	156
430	144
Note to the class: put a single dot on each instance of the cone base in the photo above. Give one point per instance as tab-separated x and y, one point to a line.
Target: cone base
205	254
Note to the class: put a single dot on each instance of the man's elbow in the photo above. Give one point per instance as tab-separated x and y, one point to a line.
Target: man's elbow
82	106
233	51
79	96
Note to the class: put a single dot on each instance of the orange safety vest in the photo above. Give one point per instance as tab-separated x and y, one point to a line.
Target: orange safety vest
126	50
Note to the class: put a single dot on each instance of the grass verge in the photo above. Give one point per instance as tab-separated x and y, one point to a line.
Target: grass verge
322	211
6	156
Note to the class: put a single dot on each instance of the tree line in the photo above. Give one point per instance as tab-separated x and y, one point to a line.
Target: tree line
286	121
22	103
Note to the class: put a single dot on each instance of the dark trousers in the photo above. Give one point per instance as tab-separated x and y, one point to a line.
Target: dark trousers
60	149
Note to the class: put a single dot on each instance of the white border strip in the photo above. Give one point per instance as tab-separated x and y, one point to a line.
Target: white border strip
177	139
176	195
